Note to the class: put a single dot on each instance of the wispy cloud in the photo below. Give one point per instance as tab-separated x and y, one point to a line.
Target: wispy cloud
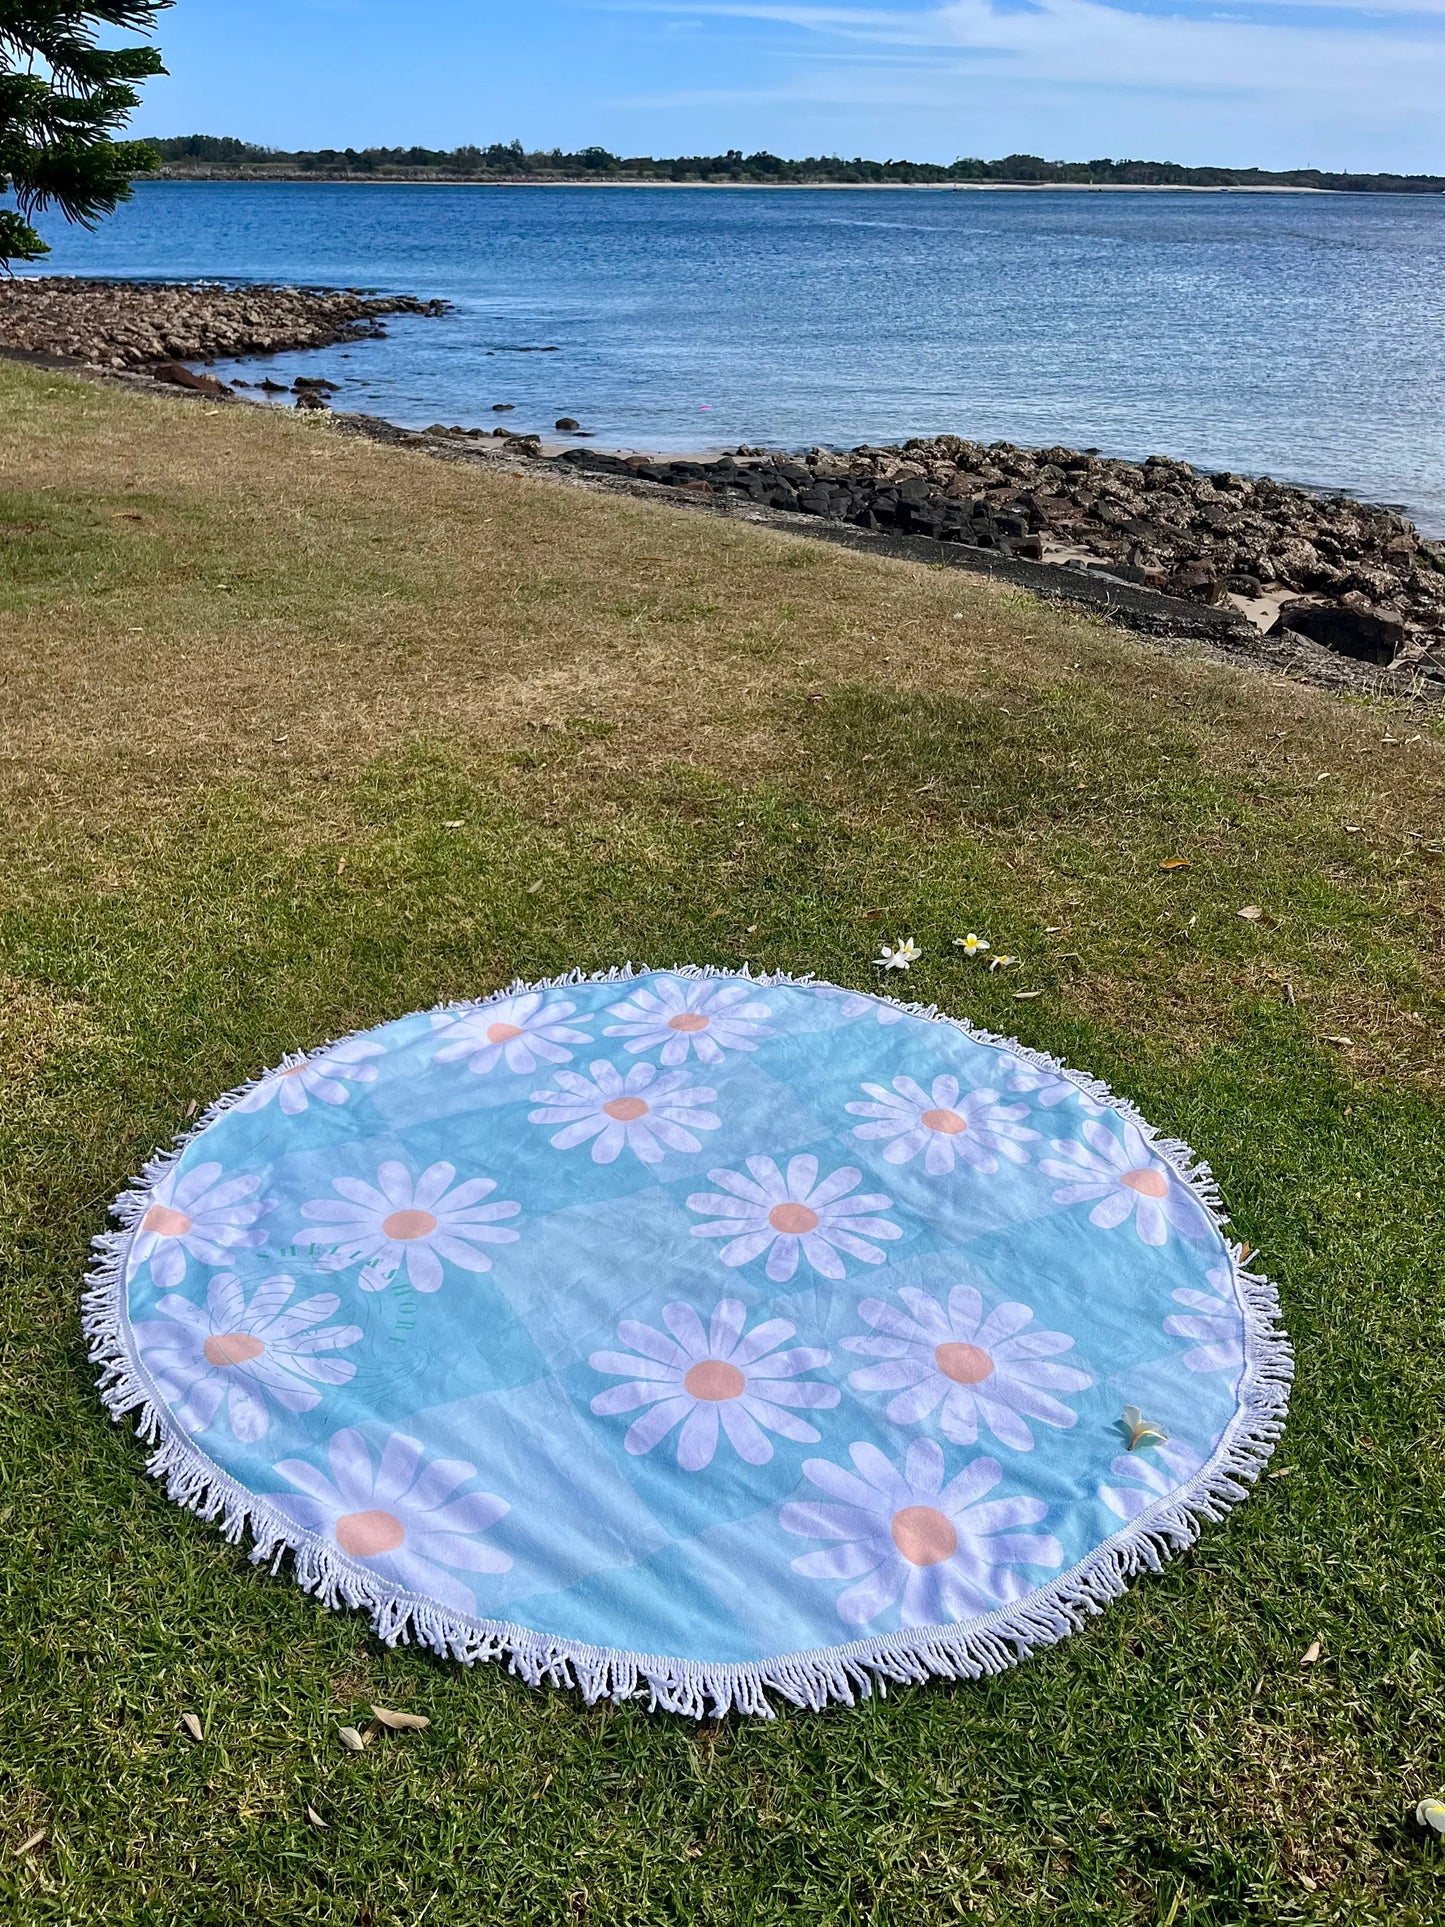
1330	58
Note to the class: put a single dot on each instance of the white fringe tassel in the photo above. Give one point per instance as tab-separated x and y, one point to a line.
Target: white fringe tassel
698	1688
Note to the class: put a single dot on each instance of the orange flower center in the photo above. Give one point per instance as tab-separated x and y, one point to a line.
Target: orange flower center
625	1109
948	1122
404	1225
794	1218
502	1033
164	1222
688	1020
964	1364
365	1534
232	1348
714	1379
1148	1182
923	1535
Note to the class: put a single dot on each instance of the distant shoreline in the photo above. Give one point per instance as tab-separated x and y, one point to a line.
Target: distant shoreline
258	178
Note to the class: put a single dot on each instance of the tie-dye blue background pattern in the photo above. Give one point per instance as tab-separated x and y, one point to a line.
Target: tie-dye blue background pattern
685	1315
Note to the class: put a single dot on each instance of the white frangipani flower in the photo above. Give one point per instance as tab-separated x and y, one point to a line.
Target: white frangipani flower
324	1075
518	1031
797	1213
647	1112
690	1014
405	1221
971	945
244	1352
706	1379
977	1128
943	1552
898	956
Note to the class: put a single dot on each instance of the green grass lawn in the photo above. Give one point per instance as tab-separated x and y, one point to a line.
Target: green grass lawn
290	726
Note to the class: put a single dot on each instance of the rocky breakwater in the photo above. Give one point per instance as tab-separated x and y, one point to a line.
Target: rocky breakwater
1358	579
142	325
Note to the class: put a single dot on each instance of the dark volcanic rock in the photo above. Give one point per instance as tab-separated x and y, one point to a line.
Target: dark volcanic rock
1158	523
126	324
565	422
1369	635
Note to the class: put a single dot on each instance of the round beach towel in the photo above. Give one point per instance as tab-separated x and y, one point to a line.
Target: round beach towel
682	1331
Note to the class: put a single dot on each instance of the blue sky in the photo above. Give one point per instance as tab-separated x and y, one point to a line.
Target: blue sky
1266	82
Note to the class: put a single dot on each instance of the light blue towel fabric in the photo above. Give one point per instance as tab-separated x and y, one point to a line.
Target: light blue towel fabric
717	1333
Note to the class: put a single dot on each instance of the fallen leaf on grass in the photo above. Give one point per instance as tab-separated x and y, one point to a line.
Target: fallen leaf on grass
872	916
693	1852
192	1108
1023	996
39	1838
455	823
1251	913
1283	1472
1175	863
1311	1653
353	1741
1337	1040
1310	1886
341	867
1430	1813
401	1722
315	1818
193	1726
533	888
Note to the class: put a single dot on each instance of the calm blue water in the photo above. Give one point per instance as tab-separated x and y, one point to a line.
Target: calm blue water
1298	336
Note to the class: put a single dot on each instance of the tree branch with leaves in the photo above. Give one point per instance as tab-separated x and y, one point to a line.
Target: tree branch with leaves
63	98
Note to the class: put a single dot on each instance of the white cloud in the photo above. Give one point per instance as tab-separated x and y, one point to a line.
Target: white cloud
1357	86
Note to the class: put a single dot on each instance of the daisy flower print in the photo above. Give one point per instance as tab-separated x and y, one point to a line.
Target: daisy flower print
1046	1087
939	1553
1214	1318
519	1032
852	1005
715	1381
1123	1179
1139	1480
405	1222
647	1112
245	1354
980	1370
792	1215
201	1214
396	1515
683	1014
977	1128
326	1076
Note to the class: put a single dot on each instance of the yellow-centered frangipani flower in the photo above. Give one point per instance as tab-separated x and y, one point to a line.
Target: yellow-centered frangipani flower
899	956
971	945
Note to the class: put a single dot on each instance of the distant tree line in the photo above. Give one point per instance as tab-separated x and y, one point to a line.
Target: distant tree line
216	155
